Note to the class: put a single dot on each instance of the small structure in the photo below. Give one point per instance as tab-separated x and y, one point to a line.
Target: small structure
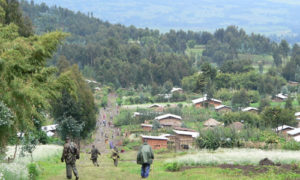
200	102
293	83
297	116
293	133
185	139
237	126
211	123
136	114
157	107
97	88
280	97
223	109
178	90
250	109
50	130
284	129
147	127
156	142
169	120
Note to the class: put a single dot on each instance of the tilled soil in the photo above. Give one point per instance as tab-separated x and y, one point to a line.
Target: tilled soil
253	169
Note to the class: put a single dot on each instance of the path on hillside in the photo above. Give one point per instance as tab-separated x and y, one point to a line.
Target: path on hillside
106	114
106	170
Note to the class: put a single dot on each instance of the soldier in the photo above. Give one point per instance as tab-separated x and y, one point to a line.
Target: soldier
115	155
69	155
145	158
94	155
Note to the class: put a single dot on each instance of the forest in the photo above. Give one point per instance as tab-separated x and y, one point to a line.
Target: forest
128	56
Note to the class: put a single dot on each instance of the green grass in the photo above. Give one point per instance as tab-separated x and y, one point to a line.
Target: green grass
128	169
50	167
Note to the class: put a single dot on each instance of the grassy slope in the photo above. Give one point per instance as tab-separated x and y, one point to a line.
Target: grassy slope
128	169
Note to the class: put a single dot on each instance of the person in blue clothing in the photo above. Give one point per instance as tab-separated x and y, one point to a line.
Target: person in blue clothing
145	158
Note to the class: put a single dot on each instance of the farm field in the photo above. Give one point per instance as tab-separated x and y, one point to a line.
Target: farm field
128	169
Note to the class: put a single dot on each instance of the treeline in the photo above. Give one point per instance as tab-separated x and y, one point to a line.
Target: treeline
32	92
128	56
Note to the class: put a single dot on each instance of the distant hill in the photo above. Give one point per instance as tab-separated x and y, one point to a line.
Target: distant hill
280	17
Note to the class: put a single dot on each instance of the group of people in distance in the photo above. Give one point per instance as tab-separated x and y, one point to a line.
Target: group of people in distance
71	153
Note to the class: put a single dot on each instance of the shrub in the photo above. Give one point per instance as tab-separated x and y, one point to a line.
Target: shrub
32	171
291	145
172	166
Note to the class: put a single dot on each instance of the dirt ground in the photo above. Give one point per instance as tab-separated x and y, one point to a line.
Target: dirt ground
254	169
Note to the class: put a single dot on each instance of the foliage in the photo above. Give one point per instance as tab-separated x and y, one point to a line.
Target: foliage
291	145
33	171
74	110
276	116
218	137
172	166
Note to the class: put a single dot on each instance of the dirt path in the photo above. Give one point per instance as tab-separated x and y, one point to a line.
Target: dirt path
105	132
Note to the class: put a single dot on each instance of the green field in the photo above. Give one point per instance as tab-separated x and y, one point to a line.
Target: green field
128	169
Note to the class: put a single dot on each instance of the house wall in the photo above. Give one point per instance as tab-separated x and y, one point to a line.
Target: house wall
285	130
170	122
200	105
182	140
276	99
146	128
157	143
224	110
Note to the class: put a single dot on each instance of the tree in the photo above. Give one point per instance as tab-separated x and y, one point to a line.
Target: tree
284	48
277	116
289	103
240	99
264	102
277	58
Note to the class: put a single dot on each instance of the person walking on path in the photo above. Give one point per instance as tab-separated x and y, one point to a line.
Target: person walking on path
94	155
145	158
115	155
69	156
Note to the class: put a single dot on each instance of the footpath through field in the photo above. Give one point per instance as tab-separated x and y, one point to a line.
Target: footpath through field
106	170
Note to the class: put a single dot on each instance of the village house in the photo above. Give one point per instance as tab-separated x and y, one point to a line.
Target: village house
295	134
211	123
293	83
136	114
146	127
250	109
157	107
201	102
223	109
297	116
97	89
185	139
284	129
237	126
50	130
178	90
156	142
169	120
280	97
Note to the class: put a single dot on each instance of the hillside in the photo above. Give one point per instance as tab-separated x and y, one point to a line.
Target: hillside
261	16
126	56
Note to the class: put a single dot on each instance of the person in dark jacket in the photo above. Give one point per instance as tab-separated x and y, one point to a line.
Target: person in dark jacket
69	155
94	155
145	158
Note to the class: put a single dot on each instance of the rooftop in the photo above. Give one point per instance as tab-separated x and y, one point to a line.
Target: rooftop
167	116
189	133
154	137
203	99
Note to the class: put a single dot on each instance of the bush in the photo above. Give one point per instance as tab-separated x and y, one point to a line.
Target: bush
32	171
224	94
291	145
172	166
218	137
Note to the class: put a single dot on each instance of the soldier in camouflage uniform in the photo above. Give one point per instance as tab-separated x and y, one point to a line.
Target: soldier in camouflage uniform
115	155
94	155
69	155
